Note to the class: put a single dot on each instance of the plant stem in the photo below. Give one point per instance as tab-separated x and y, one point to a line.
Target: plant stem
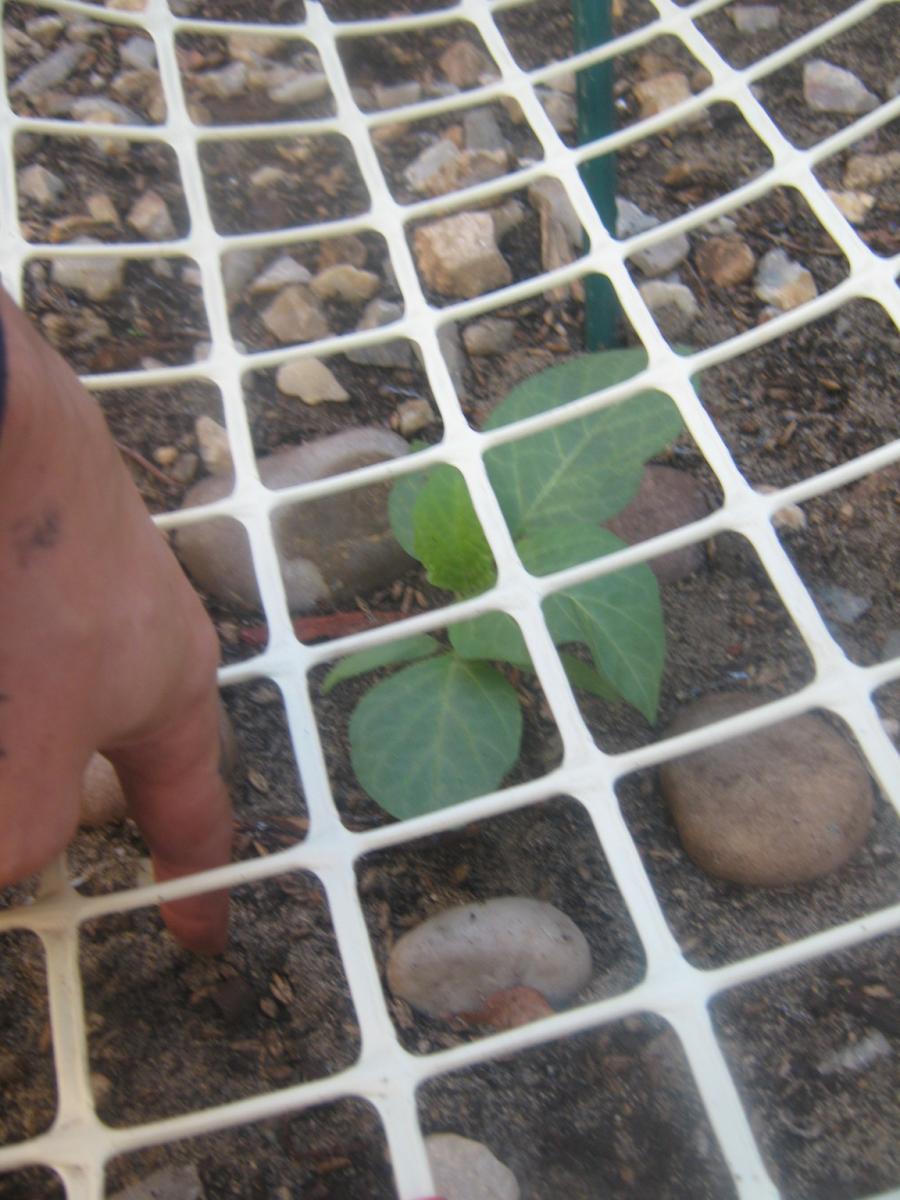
593	27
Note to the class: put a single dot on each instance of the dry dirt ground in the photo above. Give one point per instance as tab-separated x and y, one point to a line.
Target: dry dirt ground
613	1113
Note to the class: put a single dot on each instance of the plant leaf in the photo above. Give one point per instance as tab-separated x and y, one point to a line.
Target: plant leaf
448	538
401	502
494	635
404	650
589	469
434	734
583	676
618	617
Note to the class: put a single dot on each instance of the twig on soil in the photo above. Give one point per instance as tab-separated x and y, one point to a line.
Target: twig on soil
148	466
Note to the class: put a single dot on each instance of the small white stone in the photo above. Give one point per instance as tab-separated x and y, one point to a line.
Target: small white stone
238	268
49	72
214	447
506	217
397	95
560	108
281	273
138	52
464	1169
151	218
268	175
40	185
299	88
413	416
858	1056
455	960
490	335
652	260
673	305
97	277
250	47
755	18
783	282
436	170
311	381
855	206
345	282
223	83
102	111
827	88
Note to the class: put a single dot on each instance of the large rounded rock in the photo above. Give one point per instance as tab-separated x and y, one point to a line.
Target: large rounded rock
102	801
454	961
333	548
783	805
666	499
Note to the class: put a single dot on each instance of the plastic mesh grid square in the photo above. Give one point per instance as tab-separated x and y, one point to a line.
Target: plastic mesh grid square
78	1144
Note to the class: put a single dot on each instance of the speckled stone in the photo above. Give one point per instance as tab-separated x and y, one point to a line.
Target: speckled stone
785	805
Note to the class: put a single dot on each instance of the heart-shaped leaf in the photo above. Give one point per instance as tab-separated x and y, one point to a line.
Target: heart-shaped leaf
433	734
590	468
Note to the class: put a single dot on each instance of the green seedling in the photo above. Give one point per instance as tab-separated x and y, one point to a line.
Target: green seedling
448	725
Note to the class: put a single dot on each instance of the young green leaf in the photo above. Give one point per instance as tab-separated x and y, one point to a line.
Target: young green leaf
435	734
448	539
583	676
494	635
588	469
401	502
618	617
404	650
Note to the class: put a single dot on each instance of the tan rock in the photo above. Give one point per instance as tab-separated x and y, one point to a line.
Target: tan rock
345	282
855	206
150	216
311	381
98	278
213	444
458	256
785	805
347	249
726	261
102	209
662	92
869	170
294	316
464	64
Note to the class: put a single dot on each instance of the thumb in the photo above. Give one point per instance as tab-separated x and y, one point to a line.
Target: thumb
175	790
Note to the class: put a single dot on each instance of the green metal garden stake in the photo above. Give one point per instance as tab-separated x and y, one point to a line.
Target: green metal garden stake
593	27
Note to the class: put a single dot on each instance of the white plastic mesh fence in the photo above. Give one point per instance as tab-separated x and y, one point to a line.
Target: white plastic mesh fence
78	1144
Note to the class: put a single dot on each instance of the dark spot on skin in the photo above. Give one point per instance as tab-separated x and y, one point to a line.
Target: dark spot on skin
31	537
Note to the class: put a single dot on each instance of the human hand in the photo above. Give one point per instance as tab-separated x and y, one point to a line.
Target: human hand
103	646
